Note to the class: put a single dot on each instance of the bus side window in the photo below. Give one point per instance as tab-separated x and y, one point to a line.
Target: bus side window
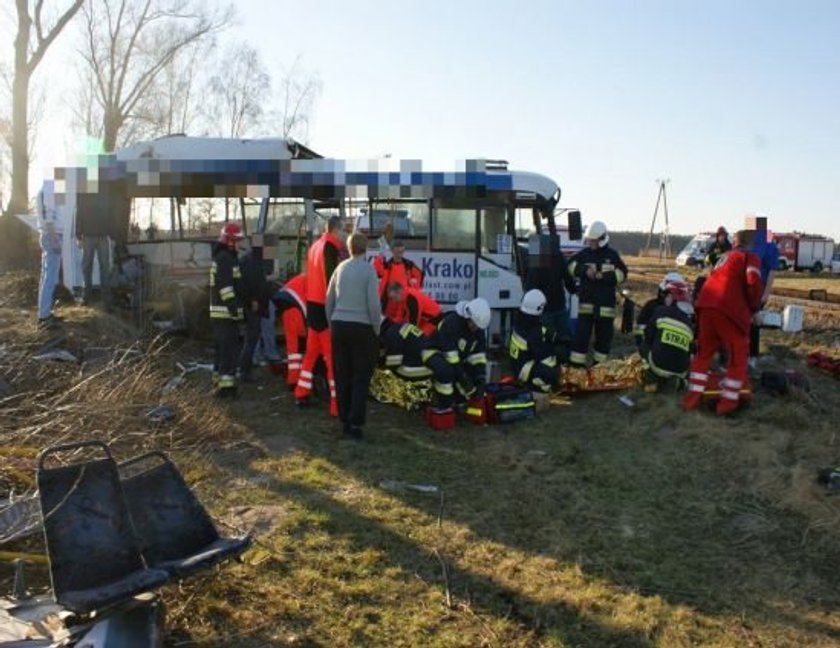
453	229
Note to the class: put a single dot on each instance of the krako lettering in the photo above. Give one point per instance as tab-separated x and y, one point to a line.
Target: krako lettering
450	269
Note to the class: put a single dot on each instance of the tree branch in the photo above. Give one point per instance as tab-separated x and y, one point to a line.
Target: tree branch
44	44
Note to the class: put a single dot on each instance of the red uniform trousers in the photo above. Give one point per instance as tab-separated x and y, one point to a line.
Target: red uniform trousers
294	330
318	343
719	333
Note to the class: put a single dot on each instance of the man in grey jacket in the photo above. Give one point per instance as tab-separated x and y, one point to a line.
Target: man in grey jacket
354	312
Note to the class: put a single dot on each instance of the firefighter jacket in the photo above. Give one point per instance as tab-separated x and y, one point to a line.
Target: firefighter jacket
254	283
405	347
531	344
669	338
598	293
417	308
463	348
292	295
734	287
404	272
225	285
642	321
321	261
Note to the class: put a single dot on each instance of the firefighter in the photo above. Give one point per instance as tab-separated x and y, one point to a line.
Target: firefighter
720	247
226	308
460	341
727	302
397	269
290	301
599	269
403	346
669	336
651	305
401	304
321	261
532	345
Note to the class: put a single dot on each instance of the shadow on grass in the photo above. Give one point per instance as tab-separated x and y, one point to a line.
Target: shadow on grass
640	498
557	620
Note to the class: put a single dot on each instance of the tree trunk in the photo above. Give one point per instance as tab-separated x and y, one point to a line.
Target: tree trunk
111	130
15	233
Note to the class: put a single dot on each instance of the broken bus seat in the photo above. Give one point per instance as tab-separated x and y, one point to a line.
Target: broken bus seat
176	533
94	556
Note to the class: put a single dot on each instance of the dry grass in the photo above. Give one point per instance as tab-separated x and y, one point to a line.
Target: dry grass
592	526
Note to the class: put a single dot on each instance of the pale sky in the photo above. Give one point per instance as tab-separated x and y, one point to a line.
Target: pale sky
737	102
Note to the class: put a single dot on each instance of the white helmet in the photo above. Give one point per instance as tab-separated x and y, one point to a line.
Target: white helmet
597	231
671	277
477	310
533	303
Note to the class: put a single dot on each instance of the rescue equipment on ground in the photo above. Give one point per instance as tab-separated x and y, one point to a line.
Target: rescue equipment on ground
440	419
606	376
388	388
825	362
507	403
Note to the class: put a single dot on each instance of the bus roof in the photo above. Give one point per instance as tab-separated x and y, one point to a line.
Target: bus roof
184	167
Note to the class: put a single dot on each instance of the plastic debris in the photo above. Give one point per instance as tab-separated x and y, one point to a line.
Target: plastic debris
161	414
400	486
172	384
626	401
58	355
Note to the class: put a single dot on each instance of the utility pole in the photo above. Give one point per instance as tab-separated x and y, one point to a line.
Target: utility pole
665	236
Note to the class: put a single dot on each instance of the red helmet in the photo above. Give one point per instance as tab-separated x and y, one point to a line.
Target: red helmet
722	230
231	233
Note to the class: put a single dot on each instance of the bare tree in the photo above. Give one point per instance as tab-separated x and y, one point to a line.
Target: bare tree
298	92
240	92
128	46
36	32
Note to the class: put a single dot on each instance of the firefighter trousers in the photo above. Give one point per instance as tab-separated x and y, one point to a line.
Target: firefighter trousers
294	330
318	344
718	332
538	376
443	381
226	338
599	322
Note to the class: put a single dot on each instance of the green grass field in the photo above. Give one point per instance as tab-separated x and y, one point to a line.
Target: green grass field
595	525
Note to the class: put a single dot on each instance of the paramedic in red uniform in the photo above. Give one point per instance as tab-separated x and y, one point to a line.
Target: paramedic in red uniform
291	301
725	307
321	261
397	269
404	305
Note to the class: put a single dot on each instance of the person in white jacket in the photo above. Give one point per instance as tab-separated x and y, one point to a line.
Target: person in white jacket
51	228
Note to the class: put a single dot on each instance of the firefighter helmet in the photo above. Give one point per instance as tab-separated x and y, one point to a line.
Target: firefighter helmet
597	231
533	303
671	277
477	310
681	295
231	233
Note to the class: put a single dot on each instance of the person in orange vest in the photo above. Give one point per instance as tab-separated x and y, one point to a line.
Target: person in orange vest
725	307
397	269
404	305
321	261
290	300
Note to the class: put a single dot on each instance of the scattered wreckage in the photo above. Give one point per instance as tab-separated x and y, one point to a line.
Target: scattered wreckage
115	533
